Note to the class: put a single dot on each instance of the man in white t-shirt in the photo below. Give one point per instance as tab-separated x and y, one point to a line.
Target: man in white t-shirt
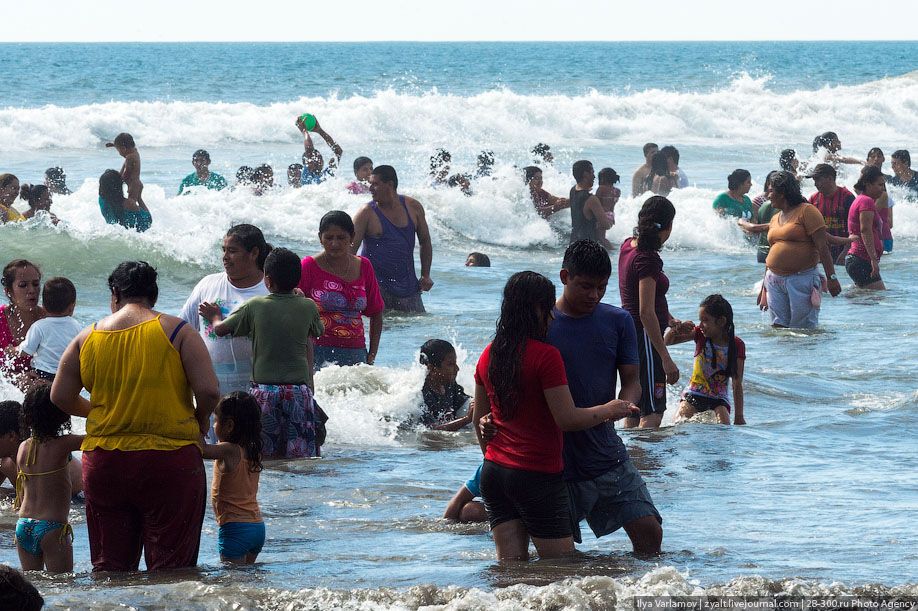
48	337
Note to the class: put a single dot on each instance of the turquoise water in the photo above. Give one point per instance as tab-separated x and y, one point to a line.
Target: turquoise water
816	494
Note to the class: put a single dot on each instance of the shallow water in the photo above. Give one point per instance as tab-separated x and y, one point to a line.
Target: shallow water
815	495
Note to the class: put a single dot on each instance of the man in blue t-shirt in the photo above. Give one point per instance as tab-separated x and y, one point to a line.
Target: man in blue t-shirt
596	341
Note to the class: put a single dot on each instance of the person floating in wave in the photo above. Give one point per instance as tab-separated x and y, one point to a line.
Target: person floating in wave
478	259
643	171
314	171
244	176
831	145
544	202
202	176
130	170
720	358
363	167
39	199
446	406
56	180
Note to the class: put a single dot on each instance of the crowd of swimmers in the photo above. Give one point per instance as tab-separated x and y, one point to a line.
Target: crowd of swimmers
231	378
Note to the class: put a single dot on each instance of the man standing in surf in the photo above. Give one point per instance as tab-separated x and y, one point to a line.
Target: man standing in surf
388	225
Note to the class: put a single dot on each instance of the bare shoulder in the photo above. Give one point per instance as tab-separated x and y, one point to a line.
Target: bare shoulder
414	204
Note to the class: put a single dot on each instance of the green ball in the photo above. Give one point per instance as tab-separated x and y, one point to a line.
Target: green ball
309	121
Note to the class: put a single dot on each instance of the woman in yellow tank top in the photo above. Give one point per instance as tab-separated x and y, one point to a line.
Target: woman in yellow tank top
142	452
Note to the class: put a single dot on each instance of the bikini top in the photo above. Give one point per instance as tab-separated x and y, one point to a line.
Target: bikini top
22	476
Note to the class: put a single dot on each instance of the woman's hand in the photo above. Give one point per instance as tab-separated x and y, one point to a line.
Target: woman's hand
671	370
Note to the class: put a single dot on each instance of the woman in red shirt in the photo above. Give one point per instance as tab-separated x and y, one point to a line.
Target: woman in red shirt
520	380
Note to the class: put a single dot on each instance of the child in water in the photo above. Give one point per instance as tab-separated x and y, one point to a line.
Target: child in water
608	195
44	539
237	466
719	357
444	399
130	171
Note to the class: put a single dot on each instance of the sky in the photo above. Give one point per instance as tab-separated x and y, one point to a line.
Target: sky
364	20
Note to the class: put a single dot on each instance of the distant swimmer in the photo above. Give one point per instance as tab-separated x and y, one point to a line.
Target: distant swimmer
545	203
720	358
389	225
608	195
660	181
120	210
9	193
56	180
672	160
641	173
833	202
905	177
313	171
439	167
363	167
478	259
789	162
588	218
39	199
541	153
262	179
734	201
202	176
130	170
829	142
295	175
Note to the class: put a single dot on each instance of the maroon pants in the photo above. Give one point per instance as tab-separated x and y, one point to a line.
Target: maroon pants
150	500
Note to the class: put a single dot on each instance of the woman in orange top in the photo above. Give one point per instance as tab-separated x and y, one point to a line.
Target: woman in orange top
143	472
797	235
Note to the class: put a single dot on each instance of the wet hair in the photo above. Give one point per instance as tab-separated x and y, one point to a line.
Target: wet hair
41	416
296	167
528	301
587	258
823	169
58	294
339	219
16	592
245	174
869	175
718	307
767	183
479	259
656	215
56	177
649	147
530	171
33	193
737	178
580	168
11	418
243	410
360	162
787	185
434	351
903	156
541	149
111	190
262	172
7	179
659	166
134	280
823	140
786	158
608	176
439	159
875	151
386	173
124	140
251	237
201	154
284	268
9	272
671	152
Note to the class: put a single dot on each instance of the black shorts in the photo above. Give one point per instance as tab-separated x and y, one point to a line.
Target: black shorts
653	378
539	500
704	404
859	270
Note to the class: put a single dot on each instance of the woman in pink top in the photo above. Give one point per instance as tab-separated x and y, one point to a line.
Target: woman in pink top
345	289
863	260
21	282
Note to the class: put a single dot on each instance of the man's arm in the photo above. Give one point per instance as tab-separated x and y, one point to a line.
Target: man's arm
631	383
594	208
423	232
329	141
360	228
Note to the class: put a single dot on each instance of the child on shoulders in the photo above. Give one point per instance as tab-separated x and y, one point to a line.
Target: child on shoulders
720	356
44	538
281	326
48	337
237	467
445	401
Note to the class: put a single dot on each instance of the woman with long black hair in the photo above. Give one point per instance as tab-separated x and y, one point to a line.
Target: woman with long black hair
520	380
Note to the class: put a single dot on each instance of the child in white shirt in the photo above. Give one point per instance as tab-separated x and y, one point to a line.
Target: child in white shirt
48	337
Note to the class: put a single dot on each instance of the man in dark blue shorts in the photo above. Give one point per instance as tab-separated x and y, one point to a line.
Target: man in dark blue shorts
598	341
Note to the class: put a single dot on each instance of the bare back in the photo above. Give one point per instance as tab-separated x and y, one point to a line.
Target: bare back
47	486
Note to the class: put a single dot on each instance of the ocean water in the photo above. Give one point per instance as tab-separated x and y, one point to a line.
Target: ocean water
816	495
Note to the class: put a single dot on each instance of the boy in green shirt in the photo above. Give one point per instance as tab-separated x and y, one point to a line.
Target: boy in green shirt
280	326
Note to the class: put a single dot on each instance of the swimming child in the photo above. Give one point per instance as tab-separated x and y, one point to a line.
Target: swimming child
720	356
130	171
608	195
237	467
44	539
39	198
313	173
478	259
280	326
445	401
47	338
